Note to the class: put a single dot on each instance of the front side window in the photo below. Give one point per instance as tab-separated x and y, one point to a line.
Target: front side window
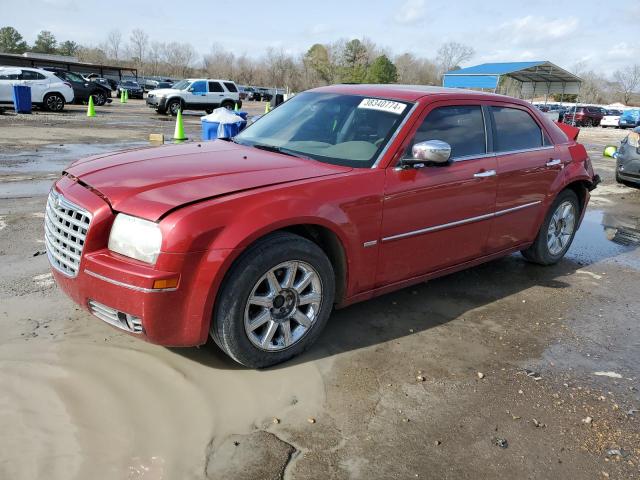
199	87
333	128
514	130
215	87
462	127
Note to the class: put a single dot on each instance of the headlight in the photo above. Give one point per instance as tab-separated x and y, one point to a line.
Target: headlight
634	139
136	238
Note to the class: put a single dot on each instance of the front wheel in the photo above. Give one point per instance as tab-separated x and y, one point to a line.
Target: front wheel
274	302
99	98
557	230
173	107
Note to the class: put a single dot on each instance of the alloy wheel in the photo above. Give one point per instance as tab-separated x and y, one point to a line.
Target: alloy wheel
561	228
54	103
283	305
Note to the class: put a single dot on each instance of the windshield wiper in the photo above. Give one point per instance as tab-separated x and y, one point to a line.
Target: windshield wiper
284	151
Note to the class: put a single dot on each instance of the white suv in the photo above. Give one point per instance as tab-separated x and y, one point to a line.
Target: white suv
47	90
195	94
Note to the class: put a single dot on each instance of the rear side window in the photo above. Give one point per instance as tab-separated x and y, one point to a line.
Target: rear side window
29	75
215	87
514	130
199	87
462	127
230	86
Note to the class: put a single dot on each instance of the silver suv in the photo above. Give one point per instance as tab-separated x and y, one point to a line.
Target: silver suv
195	94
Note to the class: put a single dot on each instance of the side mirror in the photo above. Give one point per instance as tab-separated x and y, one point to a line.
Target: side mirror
190	89
610	151
434	152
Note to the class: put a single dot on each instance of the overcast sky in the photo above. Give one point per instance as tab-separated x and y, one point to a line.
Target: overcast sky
604	34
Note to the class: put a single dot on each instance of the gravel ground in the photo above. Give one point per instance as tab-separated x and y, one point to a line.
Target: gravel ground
507	370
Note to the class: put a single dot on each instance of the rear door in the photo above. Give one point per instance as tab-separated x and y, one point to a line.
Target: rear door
439	216
216	93
38	82
527	165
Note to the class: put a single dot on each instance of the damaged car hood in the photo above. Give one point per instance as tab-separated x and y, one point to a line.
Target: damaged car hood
149	182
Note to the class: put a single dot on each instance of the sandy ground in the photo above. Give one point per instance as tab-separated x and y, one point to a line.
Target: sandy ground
507	370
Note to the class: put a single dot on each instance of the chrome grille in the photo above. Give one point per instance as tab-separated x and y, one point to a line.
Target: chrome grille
116	318
65	230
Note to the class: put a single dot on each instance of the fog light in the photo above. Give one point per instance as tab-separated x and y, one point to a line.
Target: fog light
165	283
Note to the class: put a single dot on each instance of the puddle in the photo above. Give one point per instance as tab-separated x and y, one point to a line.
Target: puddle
54	158
25	188
88	409
609	237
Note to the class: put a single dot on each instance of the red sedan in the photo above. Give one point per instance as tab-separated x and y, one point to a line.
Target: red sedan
338	195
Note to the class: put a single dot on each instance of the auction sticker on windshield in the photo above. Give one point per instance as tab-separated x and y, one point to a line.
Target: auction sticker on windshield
382	105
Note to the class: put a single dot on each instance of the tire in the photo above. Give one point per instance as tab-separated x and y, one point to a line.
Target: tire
54	102
545	250
228	104
279	253
99	98
173	106
208	111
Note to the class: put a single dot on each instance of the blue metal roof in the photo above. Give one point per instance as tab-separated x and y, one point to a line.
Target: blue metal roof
471	81
495	68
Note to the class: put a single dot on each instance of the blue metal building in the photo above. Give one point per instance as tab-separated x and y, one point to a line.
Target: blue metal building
522	79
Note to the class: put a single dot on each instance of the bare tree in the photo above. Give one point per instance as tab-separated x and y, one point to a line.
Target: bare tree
452	54
155	57
180	56
219	62
627	81
138	42
113	44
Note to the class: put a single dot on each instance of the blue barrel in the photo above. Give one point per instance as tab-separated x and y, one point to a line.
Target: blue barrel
241	114
213	130
22	98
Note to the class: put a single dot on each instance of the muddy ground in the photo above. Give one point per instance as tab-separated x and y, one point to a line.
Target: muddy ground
507	370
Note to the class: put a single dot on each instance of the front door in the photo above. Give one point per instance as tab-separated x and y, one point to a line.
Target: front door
528	165
197	93
439	216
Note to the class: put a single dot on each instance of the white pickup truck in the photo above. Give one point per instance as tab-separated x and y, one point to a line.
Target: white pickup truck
195	94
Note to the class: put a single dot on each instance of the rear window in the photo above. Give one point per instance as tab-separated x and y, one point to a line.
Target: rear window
230	86
514	130
215	87
462	127
30	75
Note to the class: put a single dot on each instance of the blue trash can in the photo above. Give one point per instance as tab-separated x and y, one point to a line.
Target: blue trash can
22	98
241	114
213	130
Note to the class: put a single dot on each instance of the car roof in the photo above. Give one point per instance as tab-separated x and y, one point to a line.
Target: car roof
411	92
209	80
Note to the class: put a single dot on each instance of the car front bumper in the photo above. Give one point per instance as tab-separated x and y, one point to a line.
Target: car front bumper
121	291
159	103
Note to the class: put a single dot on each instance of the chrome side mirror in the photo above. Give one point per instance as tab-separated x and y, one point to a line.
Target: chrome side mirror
432	151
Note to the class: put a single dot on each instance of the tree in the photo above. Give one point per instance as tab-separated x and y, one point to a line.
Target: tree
627	81
452	54
68	48
114	41
138	41
11	41
45	43
382	70
354	62
317	59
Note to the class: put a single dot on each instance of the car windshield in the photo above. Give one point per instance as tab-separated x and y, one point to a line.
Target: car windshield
181	85
130	83
333	128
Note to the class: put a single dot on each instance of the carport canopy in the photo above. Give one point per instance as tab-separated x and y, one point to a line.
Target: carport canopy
534	78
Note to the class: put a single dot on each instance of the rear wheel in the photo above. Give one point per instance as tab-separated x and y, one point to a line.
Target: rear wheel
274	302
228	104
54	102
208	110
557	230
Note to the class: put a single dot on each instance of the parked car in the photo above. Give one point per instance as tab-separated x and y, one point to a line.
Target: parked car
134	90
83	88
340	194
195	94
587	116
628	159
263	94
47	91
246	93
630	118
611	119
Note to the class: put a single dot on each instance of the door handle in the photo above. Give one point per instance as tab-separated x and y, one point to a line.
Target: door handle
486	173
553	163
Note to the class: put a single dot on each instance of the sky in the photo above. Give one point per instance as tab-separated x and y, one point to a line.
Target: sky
599	35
